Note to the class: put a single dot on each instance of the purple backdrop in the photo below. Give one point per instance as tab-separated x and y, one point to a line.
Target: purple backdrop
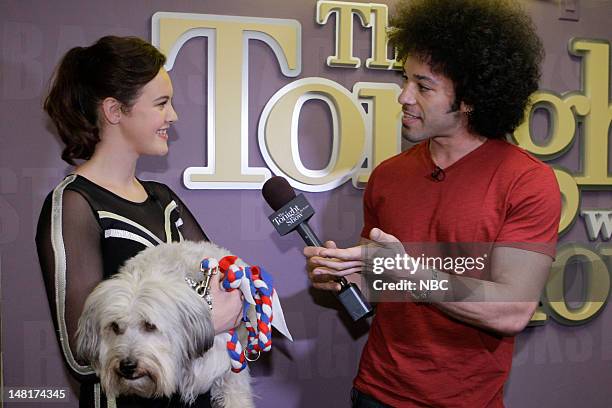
554	365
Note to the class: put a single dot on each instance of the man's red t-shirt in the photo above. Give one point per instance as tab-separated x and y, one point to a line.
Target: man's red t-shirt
416	356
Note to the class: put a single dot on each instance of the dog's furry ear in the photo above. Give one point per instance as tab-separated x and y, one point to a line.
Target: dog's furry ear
87	338
197	321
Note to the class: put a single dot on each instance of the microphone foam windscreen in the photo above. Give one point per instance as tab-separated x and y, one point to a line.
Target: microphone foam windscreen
277	192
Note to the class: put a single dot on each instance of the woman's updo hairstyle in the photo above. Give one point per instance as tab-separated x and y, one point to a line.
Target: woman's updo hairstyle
116	67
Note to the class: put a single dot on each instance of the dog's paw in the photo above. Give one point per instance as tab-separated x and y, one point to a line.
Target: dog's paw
234	400
233	390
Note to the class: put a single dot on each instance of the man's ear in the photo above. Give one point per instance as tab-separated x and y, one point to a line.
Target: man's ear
466	109
112	110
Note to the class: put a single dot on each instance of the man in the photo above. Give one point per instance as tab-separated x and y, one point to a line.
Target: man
469	68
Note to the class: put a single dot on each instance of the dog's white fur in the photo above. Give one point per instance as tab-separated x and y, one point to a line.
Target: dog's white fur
147	314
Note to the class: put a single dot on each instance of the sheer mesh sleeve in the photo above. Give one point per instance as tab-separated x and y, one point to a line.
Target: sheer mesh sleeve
68	244
190	229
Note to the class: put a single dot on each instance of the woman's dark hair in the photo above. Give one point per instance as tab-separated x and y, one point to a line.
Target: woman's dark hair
488	48
116	67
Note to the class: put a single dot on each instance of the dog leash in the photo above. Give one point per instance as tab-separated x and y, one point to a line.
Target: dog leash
257	287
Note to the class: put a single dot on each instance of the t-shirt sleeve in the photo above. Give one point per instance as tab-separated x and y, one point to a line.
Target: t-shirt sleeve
68	245
533	211
190	227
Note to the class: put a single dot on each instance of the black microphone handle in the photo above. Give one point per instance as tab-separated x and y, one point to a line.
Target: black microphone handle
308	235
311	239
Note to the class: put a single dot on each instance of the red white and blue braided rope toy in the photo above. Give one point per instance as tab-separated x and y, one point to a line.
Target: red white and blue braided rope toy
257	289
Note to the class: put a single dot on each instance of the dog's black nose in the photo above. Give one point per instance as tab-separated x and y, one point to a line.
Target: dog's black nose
127	366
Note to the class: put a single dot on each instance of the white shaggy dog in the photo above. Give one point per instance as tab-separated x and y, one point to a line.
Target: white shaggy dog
147	333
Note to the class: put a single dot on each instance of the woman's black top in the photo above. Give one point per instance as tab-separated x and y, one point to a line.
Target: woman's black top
85	233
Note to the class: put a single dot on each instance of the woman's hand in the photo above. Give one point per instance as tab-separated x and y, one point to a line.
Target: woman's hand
227	306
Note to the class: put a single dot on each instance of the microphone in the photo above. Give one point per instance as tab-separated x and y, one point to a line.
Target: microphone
291	213
438	174
279	194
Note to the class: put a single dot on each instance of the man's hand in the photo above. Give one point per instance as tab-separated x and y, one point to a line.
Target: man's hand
328	263
320	276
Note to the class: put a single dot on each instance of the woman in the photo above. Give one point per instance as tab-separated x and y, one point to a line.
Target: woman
111	103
